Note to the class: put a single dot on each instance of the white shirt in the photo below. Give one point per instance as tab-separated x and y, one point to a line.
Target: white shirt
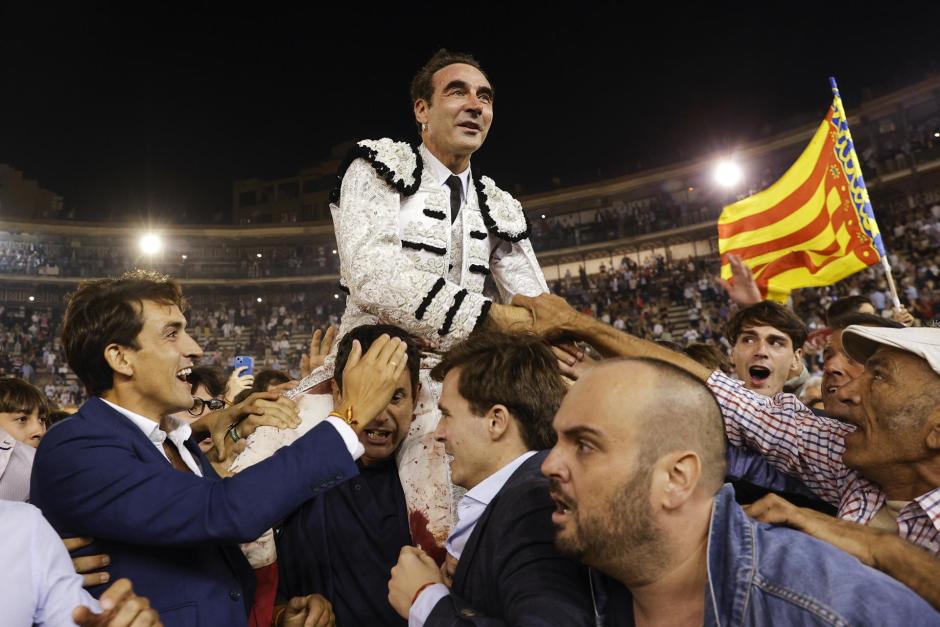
38	584
16	467
158	436
469	510
442	173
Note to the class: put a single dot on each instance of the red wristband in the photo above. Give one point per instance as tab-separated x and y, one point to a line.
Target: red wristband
420	590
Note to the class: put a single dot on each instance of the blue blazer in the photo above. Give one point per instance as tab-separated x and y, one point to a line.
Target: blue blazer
509	572
173	534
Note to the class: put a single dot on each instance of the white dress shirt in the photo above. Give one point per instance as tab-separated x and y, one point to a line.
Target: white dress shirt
469	510
38	584
441	174
158	436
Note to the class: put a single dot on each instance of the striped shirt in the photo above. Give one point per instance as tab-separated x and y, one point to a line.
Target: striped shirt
810	447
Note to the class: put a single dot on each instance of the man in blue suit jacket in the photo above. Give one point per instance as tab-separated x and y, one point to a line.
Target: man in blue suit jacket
151	500
499	395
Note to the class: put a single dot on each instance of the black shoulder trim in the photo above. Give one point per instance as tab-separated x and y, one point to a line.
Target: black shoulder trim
478	269
484	311
437	215
449	318
420	246
491	223
477	234
423	307
363	152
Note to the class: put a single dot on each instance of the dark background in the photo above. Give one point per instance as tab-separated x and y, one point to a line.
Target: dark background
133	112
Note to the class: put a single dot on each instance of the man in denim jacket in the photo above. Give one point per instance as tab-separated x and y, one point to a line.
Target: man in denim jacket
638	488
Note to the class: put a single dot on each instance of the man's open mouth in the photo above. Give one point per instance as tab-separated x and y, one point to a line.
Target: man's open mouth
470	125
759	374
183	374
561	506
378	436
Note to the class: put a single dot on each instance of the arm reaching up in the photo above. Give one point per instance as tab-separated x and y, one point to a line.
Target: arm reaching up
553	316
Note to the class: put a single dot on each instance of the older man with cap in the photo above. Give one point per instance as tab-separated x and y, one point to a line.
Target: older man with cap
880	467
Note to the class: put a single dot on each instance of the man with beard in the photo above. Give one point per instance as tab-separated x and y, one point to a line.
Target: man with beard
499	395
638	490
882	469
342	543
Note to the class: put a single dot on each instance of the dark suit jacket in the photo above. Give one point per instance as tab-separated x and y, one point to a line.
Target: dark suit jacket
509	572
174	534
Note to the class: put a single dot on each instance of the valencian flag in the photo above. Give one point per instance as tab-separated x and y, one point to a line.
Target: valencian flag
814	226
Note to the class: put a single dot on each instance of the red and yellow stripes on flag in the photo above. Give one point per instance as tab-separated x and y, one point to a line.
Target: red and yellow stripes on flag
810	228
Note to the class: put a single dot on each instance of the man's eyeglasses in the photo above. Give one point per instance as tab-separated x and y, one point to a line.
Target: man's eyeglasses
200	405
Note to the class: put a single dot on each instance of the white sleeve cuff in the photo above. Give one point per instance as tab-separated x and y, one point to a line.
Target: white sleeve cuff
425	603
350	439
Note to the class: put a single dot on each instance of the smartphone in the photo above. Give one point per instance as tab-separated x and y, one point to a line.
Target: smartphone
244	360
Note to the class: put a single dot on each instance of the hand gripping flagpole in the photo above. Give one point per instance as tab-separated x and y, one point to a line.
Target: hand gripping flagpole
861	182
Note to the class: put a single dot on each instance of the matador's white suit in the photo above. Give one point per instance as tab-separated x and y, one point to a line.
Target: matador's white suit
403	261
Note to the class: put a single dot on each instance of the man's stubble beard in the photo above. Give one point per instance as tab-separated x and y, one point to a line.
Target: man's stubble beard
626	543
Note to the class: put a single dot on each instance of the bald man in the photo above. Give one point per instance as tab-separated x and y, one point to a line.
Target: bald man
638	490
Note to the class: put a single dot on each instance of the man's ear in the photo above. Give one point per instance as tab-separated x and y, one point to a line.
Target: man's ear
796	368
932	425
421	110
337	395
120	358
498	421
676	476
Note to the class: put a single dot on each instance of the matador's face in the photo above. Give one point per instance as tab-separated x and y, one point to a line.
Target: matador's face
460	113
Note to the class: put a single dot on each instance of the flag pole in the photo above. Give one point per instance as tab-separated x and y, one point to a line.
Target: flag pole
884	255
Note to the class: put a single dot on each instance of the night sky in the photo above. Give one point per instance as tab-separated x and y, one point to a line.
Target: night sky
132	113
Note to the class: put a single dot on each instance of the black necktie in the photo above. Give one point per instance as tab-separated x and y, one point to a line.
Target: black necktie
453	182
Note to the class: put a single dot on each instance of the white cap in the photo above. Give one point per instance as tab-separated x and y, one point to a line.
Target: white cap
861	342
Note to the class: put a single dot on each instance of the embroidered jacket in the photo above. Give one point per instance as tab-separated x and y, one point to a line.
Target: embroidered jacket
403	262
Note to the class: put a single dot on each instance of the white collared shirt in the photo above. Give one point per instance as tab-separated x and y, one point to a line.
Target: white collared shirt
469	510
158	436
442	173
38	583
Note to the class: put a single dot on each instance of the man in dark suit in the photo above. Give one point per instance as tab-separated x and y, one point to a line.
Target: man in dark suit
151	499
499	395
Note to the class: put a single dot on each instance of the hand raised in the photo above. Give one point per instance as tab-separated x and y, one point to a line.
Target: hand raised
369	380
237	382
320	346
742	288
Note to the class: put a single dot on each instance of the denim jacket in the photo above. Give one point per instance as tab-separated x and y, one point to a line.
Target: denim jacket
768	575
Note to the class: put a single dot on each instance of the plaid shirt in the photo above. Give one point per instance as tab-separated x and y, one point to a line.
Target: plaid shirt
810	447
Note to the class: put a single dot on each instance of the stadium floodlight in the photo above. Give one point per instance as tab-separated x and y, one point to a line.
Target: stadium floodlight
32	299
336	296
184	257
150	244
260	299
334	251
543	216
258	255
937	134
728	173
